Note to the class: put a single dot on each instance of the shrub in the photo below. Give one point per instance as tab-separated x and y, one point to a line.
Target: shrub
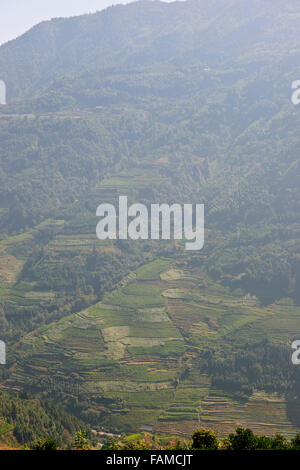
204	439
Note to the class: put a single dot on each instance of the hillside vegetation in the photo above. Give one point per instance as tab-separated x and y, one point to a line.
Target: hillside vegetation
25	419
180	102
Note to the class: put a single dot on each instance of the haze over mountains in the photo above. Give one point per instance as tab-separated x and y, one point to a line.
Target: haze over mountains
180	102
144	33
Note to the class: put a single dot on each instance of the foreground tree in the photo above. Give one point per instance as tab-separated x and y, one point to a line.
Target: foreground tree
204	439
295	442
46	444
81	441
243	439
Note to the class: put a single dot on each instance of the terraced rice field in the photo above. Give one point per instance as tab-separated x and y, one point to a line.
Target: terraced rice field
133	353
133	357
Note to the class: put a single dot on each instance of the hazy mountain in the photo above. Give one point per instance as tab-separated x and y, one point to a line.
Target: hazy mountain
187	101
145	33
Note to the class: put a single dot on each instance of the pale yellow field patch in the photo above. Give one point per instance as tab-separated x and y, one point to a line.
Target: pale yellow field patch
115	333
172	275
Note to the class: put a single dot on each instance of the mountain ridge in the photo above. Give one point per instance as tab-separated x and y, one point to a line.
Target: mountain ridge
155	29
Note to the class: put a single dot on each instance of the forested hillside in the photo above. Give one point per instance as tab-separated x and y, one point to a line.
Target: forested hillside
24	420
180	102
146	33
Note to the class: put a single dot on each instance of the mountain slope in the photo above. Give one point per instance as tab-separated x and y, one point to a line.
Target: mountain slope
181	102
145	33
24	420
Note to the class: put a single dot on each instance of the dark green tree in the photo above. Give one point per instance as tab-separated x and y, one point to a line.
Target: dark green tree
46	444
243	439
204	439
